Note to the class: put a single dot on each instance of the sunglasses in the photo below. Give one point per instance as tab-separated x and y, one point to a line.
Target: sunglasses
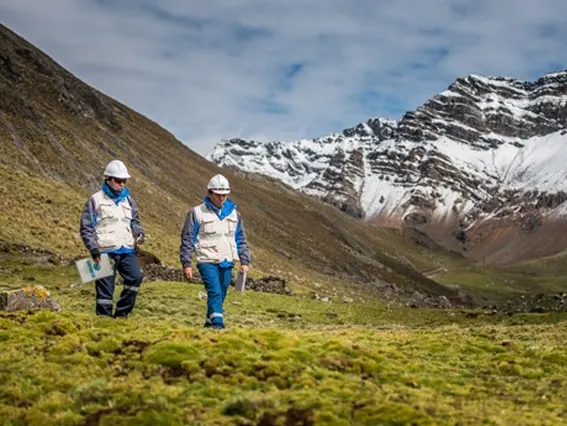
119	180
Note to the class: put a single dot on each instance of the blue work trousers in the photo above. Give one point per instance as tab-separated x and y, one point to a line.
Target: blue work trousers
217	280
129	269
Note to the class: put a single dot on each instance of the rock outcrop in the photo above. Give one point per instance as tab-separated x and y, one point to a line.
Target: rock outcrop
28	298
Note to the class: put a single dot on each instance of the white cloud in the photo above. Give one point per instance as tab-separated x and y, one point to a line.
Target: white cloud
209	70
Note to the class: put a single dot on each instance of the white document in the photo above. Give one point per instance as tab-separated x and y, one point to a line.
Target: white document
240	282
90	271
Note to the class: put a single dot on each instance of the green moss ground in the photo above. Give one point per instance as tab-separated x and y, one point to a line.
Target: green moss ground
282	361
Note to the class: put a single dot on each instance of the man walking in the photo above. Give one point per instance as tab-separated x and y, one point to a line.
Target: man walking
215	233
110	224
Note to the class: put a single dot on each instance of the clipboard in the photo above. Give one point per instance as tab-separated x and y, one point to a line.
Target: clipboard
91	271
240	282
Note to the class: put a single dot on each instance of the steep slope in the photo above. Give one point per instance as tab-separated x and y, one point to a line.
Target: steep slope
57	134
479	167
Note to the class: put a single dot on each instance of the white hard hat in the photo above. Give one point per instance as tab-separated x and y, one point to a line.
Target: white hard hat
219	185
117	169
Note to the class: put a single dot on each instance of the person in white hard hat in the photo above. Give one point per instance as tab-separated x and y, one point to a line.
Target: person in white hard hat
110	224
214	232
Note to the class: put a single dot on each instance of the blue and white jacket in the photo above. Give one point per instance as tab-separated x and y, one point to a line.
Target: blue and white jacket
214	235
110	222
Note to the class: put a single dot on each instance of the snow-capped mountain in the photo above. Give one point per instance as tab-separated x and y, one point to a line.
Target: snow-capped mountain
485	151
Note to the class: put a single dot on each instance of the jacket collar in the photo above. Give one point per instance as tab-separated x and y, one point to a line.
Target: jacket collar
226	210
116	197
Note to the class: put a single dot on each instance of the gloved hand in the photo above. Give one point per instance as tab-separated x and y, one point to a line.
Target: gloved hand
140	239
95	254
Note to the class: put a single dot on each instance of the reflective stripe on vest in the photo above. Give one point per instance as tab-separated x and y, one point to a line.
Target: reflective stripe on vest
113	223
216	240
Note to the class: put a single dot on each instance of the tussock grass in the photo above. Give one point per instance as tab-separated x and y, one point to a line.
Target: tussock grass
74	368
283	360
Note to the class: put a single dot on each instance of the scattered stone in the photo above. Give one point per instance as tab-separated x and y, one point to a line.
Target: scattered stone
158	272
534	303
34	255
28	298
155	270
395	295
325	299
269	284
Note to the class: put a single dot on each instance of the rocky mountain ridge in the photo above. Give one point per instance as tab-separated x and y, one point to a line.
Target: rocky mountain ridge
486	154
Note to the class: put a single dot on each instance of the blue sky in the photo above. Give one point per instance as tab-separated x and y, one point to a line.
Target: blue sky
287	69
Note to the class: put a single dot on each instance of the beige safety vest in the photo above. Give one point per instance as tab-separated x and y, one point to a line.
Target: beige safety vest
216	240
113	223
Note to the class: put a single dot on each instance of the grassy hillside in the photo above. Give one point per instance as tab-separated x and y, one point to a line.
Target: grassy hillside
282	361
489	284
57	134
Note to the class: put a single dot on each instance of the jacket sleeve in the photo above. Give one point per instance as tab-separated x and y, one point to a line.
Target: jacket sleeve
88	225
188	238
241	242
137	229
